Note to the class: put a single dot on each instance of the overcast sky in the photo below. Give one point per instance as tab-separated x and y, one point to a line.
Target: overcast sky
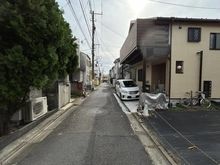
112	26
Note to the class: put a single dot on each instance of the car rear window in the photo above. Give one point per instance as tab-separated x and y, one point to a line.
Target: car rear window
129	84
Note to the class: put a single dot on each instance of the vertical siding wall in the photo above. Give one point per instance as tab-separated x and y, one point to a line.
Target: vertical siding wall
145	33
130	42
150	34
185	51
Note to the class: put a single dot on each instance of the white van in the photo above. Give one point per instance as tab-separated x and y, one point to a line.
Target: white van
127	89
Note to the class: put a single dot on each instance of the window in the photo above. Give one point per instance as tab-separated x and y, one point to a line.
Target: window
194	34
140	72
214	41
179	67
129	84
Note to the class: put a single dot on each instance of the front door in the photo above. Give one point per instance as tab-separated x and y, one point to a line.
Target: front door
158	77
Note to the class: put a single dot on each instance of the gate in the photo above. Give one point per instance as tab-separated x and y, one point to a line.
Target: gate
64	94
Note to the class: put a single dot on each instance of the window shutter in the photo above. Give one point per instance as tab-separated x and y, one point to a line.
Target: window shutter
217	41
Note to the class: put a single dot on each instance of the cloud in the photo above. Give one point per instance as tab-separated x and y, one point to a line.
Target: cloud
117	15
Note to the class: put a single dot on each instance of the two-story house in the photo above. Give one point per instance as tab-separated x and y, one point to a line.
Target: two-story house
81	78
177	55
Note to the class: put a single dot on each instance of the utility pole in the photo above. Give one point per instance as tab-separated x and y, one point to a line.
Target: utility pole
93	45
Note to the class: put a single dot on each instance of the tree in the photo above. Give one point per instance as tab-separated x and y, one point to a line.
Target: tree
36	47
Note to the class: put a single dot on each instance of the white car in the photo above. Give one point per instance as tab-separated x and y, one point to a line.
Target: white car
127	89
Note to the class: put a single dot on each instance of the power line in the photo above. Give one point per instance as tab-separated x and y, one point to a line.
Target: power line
90	5
174	4
106	56
94	4
97	41
64	5
74	14
105	46
110	29
113	46
85	18
80	16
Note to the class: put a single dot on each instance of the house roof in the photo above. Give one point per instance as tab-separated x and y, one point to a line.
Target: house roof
117	60
162	20
138	28
178	19
131	24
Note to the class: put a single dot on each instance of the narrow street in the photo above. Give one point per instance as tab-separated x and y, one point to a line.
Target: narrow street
96	132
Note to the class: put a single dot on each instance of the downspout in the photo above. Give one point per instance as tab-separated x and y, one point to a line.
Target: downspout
122	71
200	70
171	29
144	54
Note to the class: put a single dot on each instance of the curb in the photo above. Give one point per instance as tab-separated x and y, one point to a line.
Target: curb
15	143
7	143
6	140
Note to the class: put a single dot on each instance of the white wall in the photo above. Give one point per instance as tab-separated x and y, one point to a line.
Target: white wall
185	51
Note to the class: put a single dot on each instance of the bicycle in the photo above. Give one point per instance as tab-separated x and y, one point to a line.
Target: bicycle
186	101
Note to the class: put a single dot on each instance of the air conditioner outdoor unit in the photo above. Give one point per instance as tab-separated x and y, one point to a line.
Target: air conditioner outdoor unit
36	109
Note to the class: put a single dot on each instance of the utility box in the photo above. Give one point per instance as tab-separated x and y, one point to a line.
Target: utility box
207	88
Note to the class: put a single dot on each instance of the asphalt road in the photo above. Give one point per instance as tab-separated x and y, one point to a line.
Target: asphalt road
97	132
193	137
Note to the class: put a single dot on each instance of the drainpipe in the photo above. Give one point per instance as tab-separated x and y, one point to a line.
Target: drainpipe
122	71
200	70
170	58
144	54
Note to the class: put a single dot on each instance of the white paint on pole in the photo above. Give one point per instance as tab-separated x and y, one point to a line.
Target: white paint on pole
145	111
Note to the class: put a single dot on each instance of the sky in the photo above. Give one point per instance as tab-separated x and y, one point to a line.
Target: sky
112	21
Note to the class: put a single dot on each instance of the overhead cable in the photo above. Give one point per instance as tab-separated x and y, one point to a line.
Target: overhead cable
85	18
110	29
74	14
174	4
105	46
90	6
106	55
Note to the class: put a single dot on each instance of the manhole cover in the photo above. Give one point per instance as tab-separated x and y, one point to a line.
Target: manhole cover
97	111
